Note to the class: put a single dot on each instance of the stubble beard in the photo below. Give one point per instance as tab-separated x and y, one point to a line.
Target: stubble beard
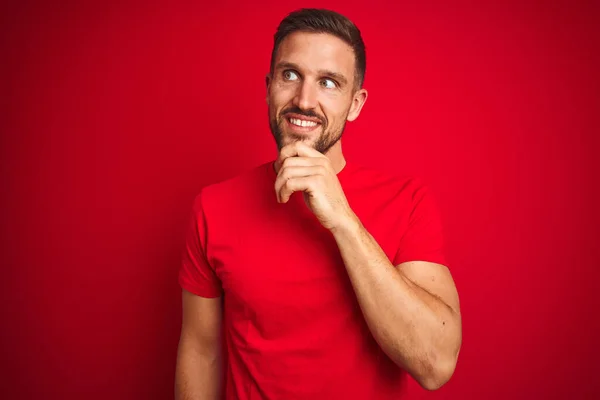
326	140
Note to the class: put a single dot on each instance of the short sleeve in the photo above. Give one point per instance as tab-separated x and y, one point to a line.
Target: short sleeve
196	275
423	239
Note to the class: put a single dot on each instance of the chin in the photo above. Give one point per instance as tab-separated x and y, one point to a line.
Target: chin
289	139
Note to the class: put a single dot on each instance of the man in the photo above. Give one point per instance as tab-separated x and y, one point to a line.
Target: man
327	278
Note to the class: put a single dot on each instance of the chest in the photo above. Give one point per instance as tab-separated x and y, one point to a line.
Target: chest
280	254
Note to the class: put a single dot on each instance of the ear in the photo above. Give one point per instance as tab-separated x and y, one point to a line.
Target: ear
358	101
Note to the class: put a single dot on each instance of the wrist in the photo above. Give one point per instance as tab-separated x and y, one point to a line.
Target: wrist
347	226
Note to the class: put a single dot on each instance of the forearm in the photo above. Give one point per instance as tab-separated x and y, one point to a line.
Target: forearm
198	374
415	329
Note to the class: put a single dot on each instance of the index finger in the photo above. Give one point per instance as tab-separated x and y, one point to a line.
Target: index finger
296	149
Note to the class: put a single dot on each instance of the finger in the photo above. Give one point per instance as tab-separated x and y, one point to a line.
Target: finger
303	150
301	162
296	149
297	184
297	172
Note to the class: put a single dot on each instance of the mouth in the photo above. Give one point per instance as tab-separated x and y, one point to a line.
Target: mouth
301	123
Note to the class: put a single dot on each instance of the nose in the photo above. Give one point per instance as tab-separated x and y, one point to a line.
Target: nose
306	96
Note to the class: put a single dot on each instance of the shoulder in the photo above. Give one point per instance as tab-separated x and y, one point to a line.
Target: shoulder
231	192
390	183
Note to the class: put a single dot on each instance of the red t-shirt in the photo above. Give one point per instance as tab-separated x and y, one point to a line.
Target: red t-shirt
293	328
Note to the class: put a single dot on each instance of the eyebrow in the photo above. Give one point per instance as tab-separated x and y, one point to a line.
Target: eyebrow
323	72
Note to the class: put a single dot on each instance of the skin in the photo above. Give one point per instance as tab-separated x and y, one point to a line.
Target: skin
412	309
198	366
315	74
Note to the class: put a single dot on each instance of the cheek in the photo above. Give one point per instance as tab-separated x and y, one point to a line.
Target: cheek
335	112
333	103
281	95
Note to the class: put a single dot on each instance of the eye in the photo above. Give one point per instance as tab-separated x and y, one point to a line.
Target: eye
328	83
290	75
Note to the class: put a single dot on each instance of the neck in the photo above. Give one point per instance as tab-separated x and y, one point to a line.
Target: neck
336	157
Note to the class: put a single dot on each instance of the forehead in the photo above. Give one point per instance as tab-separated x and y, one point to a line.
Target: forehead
317	51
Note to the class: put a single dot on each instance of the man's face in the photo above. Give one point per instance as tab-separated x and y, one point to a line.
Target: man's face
312	92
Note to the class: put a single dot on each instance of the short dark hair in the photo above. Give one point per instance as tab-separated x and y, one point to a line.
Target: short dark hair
324	21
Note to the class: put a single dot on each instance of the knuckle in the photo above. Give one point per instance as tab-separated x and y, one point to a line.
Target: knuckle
284	174
323	162
286	163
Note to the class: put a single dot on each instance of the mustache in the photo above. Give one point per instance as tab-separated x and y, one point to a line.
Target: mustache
306	113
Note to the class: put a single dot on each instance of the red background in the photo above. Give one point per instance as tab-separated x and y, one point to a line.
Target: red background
113	118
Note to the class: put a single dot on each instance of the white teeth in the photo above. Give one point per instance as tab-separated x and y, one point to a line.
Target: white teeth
299	122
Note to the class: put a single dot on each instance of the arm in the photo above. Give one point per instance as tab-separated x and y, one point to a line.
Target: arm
198	370
412	310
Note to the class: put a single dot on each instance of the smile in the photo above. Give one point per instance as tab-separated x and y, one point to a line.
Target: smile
301	122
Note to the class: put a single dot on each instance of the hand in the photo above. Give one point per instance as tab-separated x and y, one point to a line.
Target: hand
302	168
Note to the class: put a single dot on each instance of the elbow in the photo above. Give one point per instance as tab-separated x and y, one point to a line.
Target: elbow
437	373
439	367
